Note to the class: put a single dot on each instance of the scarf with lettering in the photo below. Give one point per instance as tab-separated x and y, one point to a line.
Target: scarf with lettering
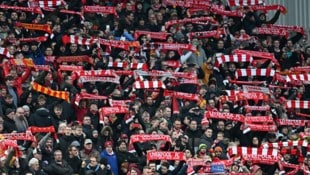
153	35
149	137
74	59
297	29
100	9
19	136
26	9
85	79
207	34
30	26
272	31
119	44
189	20
101	73
165	155
104	111
70	68
247	82
114	102
84	95
257	108
36	39
182	95
50	92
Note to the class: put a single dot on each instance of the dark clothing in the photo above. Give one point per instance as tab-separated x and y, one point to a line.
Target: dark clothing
9	125
59	169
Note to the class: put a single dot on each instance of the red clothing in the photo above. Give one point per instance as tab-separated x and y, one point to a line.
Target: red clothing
20	80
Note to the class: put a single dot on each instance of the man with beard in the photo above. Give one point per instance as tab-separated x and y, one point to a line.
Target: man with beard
59	166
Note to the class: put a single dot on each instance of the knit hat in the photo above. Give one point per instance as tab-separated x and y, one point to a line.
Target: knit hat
33	161
202	146
9	111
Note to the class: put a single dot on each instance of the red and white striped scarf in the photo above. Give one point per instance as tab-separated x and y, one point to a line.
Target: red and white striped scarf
84	95
5	51
304	69
142	66
244	2
232	58
277	145
236	150
46	3
148	85
118	64
297	104
258	54
298	77
255	72
72	39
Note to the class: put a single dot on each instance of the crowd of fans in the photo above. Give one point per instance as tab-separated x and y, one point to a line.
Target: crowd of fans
90	140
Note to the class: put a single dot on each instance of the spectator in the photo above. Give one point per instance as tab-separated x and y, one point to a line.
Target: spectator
58	166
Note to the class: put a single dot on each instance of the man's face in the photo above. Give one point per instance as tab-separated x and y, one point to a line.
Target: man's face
86	121
122	147
193	125
109	149
20	113
58	156
57	111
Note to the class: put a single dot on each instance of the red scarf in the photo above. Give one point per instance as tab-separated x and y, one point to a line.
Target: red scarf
149	137
165	155
78	40
26	9
153	35
81	58
148	85
244	2
189	20
272	31
84	95
232	58
254	72
258	54
36	39
100	9
30	26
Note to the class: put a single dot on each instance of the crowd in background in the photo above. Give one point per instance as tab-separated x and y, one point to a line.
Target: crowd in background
90	140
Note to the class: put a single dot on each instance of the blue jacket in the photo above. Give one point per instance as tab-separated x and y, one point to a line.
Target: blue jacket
112	160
